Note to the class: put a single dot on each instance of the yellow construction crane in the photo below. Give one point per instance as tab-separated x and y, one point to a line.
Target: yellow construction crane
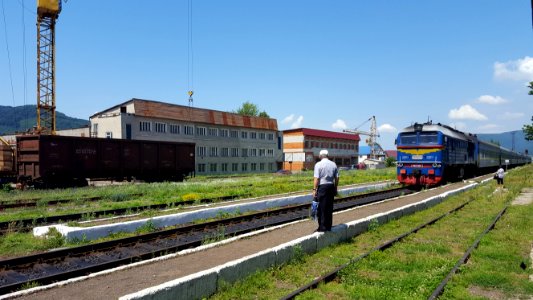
47	13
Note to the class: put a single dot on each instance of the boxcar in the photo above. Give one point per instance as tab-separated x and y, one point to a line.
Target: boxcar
63	160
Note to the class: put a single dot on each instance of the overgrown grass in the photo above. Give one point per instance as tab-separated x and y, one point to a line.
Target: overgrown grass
414	268
122	196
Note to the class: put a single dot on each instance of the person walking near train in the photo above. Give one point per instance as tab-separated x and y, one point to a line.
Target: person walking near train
325	182
499	175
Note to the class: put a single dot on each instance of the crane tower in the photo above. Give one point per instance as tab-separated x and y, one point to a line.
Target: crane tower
47	13
375	148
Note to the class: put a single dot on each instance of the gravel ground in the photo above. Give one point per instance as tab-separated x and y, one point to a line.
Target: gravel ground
122	282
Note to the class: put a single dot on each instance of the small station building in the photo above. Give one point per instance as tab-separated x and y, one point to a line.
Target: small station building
301	147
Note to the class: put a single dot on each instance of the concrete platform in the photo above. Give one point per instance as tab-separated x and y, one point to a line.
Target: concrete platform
205	283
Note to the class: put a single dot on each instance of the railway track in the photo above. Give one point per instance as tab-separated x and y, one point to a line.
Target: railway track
332	275
45	268
23	225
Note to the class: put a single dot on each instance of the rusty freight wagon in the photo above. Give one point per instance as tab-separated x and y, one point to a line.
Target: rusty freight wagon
52	160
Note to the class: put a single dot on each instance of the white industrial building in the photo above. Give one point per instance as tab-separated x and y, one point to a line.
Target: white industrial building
225	142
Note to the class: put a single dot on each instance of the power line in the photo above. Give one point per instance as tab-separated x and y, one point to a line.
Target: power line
8	56
24	7
190	53
24	66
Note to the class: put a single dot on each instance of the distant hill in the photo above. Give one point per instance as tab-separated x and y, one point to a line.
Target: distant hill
21	118
505	139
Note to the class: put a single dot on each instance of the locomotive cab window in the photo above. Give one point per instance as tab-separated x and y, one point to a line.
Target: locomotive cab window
429	138
408	139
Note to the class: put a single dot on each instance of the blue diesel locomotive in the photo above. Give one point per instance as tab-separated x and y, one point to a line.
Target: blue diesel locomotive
429	154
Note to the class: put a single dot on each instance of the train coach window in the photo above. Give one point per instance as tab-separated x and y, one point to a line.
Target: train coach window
429	139
408	139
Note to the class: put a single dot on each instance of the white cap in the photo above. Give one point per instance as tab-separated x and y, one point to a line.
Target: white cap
324	152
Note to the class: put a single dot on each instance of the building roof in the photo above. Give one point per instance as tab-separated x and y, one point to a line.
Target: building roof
324	134
391	153
155	109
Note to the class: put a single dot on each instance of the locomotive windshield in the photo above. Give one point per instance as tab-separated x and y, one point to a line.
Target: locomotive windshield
429	138
408	139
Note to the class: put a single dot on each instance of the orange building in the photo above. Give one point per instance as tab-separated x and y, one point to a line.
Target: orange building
302	145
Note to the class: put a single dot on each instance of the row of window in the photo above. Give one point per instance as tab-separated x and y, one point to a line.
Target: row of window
145	126
233	152
328	145
235	167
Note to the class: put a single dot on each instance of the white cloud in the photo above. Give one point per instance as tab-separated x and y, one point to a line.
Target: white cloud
466	112
298	122
459	126
339	124
387	128
511	116
493	100
520	69
288	119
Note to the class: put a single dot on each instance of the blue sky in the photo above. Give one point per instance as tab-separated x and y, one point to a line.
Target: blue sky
319	64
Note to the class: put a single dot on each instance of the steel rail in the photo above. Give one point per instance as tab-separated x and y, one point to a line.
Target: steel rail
440	288
45	268
334	273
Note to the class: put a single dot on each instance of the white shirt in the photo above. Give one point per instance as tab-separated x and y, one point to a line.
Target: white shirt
326	171
500	172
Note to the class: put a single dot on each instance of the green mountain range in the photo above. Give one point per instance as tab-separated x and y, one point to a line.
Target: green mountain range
21	118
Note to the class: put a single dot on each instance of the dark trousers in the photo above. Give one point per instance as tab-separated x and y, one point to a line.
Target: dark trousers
499	180
325	195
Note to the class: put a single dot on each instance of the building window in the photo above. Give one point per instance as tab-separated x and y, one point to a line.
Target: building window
233	134
253	135
145	126
174	129
201	131
244	135
223	132
188	130
213	151
212	132
202	151
201	168
271	167
261	135
160	127
270	136
262	152
234	167
108	135
253	167
244	152
225	152
224	167
261	166
270	152
234	152
253	152
212	167
95	130
244	167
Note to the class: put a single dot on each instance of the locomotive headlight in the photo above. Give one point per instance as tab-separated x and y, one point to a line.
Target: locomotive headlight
399	165
436	165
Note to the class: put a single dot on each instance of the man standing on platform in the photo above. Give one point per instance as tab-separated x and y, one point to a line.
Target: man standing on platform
326	180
